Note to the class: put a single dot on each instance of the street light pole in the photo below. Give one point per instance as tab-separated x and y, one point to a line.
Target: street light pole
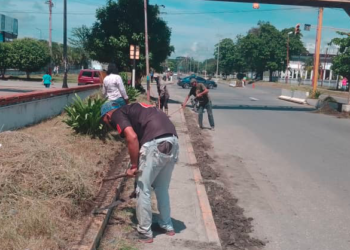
217	61
65	85
40	32
287	70
317	50
147	56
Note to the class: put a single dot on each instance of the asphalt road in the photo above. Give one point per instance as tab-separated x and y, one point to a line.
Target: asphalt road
289	167
11	87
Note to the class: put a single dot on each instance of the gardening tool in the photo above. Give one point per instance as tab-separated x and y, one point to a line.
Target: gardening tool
120	176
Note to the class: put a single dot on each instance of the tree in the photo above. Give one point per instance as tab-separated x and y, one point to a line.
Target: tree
265	48
341	62
227	56
6	58
120	24
30	55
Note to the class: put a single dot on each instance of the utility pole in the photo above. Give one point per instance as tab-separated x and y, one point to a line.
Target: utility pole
324	67
147	56
50	3
40	32
217	62
287	69
317	50
65	85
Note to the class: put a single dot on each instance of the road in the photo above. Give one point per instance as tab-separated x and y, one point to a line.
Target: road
288	167
11	87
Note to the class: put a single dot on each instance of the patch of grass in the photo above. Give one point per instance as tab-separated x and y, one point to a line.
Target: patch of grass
315	94
43	189
71	78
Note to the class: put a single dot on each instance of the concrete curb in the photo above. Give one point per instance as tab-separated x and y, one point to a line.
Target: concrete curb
207	215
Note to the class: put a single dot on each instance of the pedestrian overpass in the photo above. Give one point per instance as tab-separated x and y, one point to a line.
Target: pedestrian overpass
341	4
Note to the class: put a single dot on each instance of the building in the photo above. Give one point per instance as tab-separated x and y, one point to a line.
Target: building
8	28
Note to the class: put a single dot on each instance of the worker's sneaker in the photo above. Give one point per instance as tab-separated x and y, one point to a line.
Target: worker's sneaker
157	228
135	235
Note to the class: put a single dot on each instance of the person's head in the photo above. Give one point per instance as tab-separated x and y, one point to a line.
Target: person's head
47	72
193	82
112	69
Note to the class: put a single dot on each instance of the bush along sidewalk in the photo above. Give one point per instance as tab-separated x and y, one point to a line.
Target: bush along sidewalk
84	116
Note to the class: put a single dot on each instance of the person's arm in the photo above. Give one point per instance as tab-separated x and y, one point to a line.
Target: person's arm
122	89
133	147
206	91
185	102
104	90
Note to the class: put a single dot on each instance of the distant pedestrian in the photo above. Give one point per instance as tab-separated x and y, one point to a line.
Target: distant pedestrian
164	98
152	75
113	86
201	93
344	83
47	80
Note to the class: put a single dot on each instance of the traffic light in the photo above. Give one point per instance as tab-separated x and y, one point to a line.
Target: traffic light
297	29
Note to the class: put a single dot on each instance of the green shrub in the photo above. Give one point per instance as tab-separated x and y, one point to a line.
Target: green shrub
125	78
316	94
85	116
132	93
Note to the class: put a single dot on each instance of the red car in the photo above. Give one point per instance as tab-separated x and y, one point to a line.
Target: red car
89	76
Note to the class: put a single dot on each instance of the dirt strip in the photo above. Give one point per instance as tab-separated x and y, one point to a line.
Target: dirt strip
233	226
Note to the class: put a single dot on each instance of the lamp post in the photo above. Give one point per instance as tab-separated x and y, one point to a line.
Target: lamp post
134	55
287	69
40	32
65	85
217	61
147	55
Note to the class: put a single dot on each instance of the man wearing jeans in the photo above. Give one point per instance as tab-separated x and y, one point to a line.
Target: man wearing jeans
200	92
153	148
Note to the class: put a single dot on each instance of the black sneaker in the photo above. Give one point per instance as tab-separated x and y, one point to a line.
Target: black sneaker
135	235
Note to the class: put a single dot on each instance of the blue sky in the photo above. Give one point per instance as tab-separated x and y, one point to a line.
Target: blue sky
194	30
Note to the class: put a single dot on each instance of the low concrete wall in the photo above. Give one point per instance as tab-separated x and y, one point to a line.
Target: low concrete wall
294	96
21	110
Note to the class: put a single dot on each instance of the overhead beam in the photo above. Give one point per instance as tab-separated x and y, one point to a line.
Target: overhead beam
344	4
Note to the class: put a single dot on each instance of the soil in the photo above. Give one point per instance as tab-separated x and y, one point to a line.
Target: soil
328	110
233	226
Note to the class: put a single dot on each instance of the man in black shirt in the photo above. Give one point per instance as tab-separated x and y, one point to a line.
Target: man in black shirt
153	148
200	92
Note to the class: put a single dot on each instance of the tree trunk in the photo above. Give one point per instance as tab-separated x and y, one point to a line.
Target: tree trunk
270	76
3	71
28	75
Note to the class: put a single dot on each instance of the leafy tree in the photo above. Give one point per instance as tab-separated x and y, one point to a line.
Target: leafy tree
227	56
210	65
341	62
30	55
120	24
264	48
6	58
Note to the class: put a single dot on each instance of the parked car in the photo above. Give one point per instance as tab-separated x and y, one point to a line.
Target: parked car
89	76
186	82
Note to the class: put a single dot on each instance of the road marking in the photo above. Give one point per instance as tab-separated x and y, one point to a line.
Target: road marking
253	99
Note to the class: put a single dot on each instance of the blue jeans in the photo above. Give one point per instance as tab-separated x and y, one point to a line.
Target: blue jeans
47	85
209	108
156	169
119	101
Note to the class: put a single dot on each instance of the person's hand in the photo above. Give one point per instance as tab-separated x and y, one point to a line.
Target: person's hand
131	172
183	105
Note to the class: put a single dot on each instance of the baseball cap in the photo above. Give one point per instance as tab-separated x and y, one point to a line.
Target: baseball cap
108	106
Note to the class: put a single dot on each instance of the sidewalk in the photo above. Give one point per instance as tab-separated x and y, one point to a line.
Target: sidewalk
191	212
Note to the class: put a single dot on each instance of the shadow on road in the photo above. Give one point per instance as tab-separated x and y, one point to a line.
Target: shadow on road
263	107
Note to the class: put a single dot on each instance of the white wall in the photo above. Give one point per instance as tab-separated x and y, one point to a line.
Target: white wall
19	115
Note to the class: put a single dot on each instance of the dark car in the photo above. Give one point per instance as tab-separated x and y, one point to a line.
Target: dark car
89	76
186	82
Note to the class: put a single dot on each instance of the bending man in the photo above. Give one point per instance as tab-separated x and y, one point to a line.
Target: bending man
153	148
